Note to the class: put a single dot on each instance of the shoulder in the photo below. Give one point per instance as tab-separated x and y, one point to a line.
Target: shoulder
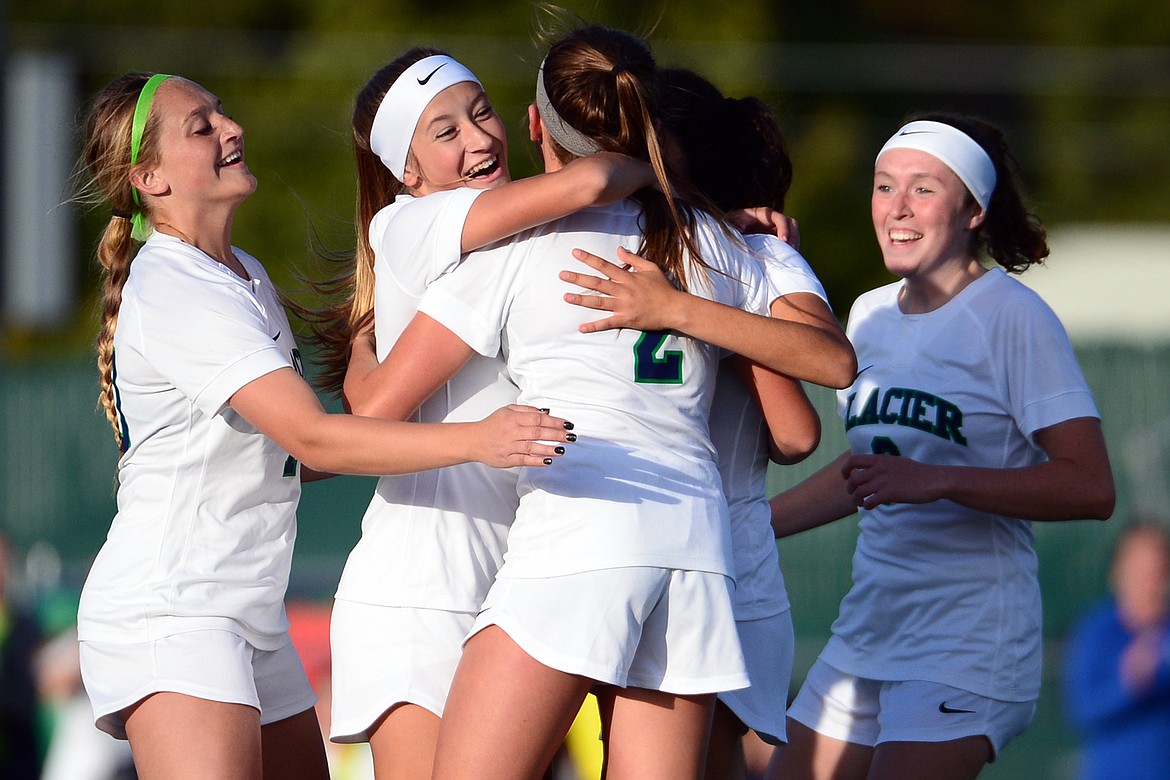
254	267
164	260
785	267
884	297
1007	303
774	251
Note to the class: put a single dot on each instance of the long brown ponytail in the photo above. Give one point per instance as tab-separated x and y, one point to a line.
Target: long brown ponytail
335	326
603	82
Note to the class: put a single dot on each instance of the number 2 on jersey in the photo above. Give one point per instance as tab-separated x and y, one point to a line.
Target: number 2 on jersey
655	365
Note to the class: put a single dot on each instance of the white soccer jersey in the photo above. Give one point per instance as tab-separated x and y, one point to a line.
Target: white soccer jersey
639	487
206	518
941	592
740	435
433	539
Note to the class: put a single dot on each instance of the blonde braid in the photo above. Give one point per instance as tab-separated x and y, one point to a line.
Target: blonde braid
106	160
115	252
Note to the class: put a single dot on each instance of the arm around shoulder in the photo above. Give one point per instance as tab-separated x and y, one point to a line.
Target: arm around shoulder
526	203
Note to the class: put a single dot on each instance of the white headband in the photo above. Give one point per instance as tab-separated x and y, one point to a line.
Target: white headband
404	103
955	148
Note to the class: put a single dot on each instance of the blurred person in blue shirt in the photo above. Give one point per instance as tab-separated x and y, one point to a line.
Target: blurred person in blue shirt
1117	668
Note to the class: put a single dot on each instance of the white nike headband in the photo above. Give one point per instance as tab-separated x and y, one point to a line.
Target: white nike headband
404	103
955	148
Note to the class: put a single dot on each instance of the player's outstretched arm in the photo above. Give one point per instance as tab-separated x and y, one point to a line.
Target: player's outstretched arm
283	407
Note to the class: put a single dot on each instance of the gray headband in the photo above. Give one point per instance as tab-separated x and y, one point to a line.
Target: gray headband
570	138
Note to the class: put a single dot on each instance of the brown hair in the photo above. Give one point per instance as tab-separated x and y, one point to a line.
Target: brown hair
352	289
603	82
1010	234
106	160
734	151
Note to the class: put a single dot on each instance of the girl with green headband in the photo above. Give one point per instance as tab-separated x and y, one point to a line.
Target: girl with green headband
184	640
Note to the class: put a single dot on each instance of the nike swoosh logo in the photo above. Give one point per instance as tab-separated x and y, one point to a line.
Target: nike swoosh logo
423	82
945	709
277	336
912	132
862	371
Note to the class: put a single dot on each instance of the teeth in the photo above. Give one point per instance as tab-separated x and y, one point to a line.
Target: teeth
231	158
904	235
483	166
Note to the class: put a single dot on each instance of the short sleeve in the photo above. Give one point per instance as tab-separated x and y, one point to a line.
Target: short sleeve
473	299
417	240
785	269
206	333
1044	382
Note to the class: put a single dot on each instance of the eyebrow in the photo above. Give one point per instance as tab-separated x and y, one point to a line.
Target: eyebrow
199	111
480	98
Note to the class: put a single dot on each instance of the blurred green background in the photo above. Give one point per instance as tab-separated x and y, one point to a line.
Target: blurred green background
1081	87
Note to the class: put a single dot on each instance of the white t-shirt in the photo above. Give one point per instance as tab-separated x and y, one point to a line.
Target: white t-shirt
206	518
433	539
639	487
740	435
942	592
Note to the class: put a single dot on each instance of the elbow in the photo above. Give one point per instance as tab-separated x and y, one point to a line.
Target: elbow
842	367
796	445
314	458
1102	503
1097	498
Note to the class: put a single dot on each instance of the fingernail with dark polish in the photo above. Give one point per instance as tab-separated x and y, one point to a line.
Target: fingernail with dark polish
570	437
548	461
568	425
559	450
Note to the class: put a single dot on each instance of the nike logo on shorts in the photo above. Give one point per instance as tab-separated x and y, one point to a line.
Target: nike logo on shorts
945	709
423	82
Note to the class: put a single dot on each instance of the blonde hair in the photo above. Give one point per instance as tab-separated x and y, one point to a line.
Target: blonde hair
105	160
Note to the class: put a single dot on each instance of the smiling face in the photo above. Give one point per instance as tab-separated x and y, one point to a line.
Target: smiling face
923	215
201	150
459	142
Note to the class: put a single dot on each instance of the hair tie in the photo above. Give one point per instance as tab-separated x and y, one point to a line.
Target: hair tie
140	230
618	70
570	138
119	214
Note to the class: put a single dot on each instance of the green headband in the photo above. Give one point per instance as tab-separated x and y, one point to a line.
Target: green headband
140	230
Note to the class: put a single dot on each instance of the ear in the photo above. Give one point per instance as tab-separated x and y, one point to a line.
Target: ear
410	179
148	181
535	125
410	175
977	218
